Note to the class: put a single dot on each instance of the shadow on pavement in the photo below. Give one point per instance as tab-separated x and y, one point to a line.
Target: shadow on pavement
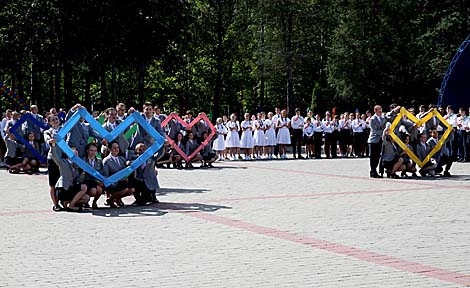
158	209
165	191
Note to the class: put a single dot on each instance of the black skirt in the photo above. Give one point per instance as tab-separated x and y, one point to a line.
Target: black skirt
53	172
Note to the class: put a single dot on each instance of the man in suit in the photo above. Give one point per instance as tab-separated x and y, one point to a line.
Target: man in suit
72	190
174	127
78	135
377	126
110	125
144	180
31	127
121	111
142	136
111	165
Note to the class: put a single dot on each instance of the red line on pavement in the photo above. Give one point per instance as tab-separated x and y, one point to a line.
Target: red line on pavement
364	255
263	197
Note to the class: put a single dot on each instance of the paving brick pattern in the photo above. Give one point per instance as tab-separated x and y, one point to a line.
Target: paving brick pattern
305	223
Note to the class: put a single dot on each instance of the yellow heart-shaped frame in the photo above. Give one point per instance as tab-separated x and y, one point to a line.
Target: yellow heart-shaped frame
419	122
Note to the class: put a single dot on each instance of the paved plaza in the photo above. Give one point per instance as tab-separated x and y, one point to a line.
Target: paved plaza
305	223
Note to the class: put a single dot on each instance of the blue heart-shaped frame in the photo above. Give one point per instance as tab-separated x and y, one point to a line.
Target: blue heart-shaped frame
109	136
13	130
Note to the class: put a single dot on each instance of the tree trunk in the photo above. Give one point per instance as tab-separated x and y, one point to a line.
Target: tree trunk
290	64
104	90
88	101
68	83
58	94
51	98
140	87
113	83
220	58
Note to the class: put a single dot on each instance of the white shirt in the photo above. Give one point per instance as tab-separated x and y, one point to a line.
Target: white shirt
297	122
358	125
328	126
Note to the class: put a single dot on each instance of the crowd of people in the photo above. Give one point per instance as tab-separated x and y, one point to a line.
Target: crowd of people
259	136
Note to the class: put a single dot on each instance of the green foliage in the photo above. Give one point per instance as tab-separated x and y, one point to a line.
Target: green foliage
229	56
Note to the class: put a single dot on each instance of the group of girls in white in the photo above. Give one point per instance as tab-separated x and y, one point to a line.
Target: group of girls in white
267	136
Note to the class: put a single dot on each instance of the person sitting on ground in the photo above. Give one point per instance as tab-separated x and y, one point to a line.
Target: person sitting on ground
208	155
392	161
72	190
95	187
191	145
442	156
144	179
33	162
112	164
422	151
410	166
14	160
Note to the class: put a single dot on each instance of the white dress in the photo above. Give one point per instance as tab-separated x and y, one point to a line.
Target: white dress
259	137
219	142
232	140
270	133
283	135
247	136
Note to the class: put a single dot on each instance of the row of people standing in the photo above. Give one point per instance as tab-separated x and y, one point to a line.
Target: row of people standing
262	136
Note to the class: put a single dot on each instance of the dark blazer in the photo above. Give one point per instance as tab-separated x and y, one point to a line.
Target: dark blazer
148	173
141	135
30	127
68	174
98	166
78	135
110	166
121	140
422	151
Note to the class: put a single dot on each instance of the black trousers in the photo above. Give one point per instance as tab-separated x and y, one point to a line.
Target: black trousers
375	153
317	141
330	145
444	161
358	143
297	141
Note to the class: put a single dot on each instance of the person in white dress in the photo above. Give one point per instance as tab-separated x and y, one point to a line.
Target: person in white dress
259	136
232	142
283	134
219	142
270	135
308	137
246	141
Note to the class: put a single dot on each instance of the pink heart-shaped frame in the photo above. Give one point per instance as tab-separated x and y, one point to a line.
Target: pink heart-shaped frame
188	126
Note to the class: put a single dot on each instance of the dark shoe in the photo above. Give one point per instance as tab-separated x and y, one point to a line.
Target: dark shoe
414	175
373	174
301	157
446	174
72	209
56	208
119	203
94	206
110	203
86	206
394	176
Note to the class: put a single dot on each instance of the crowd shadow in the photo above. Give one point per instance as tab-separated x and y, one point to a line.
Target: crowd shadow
439	178
155	210
165	191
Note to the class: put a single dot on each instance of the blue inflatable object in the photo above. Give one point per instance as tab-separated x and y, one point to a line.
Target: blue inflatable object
13	130
455	84
109	136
